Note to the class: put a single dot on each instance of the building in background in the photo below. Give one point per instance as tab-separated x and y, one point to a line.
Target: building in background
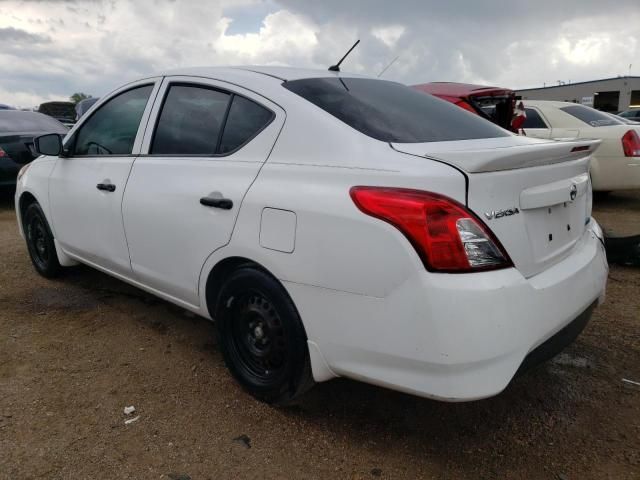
609	94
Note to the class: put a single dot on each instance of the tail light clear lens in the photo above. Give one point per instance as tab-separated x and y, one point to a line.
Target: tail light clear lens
631	144
446	235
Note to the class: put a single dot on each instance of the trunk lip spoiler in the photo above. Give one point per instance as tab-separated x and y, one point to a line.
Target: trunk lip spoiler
483	159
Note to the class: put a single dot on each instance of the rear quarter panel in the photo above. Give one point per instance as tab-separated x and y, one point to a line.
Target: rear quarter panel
610	169
336	246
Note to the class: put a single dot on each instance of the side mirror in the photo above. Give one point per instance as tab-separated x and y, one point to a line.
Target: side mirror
49	144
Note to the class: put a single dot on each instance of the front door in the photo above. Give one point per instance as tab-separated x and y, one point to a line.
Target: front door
204	146
87	185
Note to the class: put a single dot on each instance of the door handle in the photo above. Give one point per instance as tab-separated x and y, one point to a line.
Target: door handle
223	203
107	187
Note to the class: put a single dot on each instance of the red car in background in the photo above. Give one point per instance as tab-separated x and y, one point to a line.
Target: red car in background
493	103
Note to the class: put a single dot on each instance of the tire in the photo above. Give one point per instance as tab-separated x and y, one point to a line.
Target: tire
601	194
262	339
40	244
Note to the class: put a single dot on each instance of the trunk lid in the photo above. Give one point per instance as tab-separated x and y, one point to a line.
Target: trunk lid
534	195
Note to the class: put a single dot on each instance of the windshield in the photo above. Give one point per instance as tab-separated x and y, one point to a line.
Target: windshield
392	112
591	116
15	121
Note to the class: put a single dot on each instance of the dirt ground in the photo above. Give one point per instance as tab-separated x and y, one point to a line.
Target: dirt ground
75	351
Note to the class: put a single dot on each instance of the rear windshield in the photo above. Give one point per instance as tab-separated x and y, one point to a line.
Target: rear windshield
591	116
392	112
15	121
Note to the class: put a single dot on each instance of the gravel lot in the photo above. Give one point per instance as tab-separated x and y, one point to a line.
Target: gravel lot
75	351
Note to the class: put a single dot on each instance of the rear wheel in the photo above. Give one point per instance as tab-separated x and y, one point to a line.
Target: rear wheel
262	338
601	194
40	244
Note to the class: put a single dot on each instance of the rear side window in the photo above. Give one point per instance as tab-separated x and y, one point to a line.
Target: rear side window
245	120
112	129
190	122
392	112
533	119
591	116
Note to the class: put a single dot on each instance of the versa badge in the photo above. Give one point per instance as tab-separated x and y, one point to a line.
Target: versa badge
507	212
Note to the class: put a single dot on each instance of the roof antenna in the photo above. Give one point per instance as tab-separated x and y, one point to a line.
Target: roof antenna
336	67
387	67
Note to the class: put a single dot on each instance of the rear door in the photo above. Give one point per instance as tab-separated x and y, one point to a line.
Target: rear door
86	187
533	195
205	144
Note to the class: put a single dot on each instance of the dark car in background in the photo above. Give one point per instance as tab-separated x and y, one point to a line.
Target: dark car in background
64	112
84	105
17	130
493	103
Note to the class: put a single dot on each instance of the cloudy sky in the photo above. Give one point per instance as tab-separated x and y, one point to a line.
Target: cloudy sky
51	49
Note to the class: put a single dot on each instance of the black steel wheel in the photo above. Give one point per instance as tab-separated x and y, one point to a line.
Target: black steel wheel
261	336
40	244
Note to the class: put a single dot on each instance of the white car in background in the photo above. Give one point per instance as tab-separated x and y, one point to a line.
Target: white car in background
631	114
331	224
616	165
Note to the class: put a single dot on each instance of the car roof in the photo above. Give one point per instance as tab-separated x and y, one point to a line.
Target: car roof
27	114
24	113
454	89
549	103
258	71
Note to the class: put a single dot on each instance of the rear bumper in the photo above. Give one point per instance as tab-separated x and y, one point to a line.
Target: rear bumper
558	342
452	337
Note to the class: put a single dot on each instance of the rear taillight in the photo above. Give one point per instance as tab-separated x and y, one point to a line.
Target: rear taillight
631	144
3	153
447	236
466	106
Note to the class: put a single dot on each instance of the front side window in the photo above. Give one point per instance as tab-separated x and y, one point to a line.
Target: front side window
591	116
392	112
190	122
533	119
112	129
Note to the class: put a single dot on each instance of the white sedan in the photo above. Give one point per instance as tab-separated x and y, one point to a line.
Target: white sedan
331	224
616	166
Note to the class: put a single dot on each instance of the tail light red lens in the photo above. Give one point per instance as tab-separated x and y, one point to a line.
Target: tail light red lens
446	235
466	106
631	144
3	153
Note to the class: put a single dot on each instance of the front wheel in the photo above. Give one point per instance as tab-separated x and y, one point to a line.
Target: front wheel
262	338
40	244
